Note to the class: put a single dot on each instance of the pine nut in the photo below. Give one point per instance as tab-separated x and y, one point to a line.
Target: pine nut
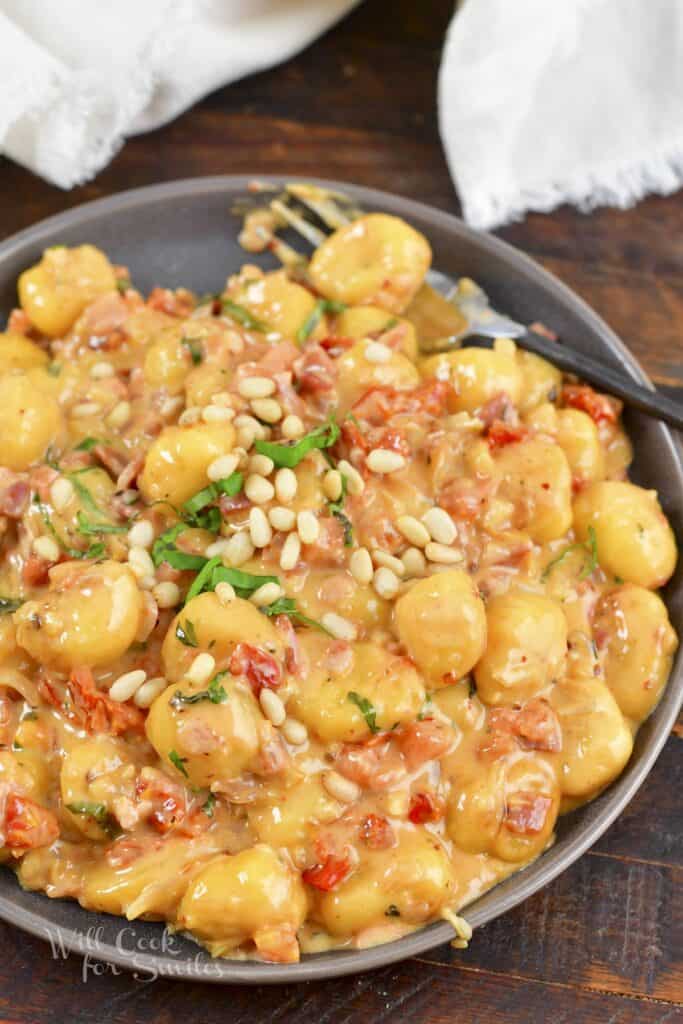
61	493
442	553
149	691
386	583
217	548
223	398
217	414
120	415
291	551
413	530
294	732
338	626
246	437
123	688
282	518
389	562
256	387
260	432
225	593
308	526
47	548
258	489
384	460
222	467
354	481
339	788
259	528
86	409
261	464
100	371
141	534
238	550
293	427
360	565
285	485
377	352
414	562
147	582
201	669
266	594
267	409
166	594
333	485
171	406
440	525
140	562
272	706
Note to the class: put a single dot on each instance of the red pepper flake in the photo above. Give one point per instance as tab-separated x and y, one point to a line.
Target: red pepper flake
328	875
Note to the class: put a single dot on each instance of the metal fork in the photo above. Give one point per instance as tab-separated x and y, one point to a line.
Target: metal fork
483	323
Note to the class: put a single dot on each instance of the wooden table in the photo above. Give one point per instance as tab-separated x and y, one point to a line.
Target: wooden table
604	942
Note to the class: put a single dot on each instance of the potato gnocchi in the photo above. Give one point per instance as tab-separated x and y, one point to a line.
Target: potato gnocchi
306	637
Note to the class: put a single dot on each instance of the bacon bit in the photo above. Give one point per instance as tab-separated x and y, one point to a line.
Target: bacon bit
496	744
374	764
125	851
129	473
426	807
175	303
464	499
378	404
98	712
329	874
27	825
19	323
260	668
36	571
168	799
600	408
236	503
395	441
15	492
41	479
315	371
285	627
105	316
498	407
336	347
113	461
277	360
273	757
376	832
501	434
535	725
328	549
526	813
424	741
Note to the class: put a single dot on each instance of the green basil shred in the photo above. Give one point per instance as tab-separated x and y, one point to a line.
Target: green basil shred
290	455
321	307
186	633
178	762
243	316
366	709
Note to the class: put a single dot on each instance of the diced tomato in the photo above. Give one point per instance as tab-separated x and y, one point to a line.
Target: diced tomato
28	825
378	404
501	434
98	712
535	725
329	874
526	813
600	408
376	832
336	346
425	807
424	741
260	668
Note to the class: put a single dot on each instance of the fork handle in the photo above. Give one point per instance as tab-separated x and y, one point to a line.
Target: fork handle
647	400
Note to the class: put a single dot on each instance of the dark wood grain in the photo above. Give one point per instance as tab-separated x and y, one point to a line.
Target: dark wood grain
604	943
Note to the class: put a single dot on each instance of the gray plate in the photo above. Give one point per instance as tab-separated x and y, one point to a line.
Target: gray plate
182	234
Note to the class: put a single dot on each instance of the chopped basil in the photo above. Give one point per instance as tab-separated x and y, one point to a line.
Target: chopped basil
209	805
9	604
366	709
290	455
186	633
94	551
214	572
123	284
99	814
243	316
54	369
287	606
393	322
347	524
194	348
165	550
589	547
321	307
178	762
87	444
215	692
89	529
229	485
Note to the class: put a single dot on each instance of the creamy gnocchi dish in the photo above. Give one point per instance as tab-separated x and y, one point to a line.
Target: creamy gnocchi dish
306	637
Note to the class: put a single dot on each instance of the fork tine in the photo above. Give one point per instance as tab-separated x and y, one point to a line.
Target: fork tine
320	203
308	231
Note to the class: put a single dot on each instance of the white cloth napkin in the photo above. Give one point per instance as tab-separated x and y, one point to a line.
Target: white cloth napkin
543	102
78	76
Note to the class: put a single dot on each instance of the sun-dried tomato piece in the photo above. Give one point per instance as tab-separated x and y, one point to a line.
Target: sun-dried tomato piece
600	408
501	434
260	668
526	813
424	741
376	832
28	825
97	711
425	807
329	874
